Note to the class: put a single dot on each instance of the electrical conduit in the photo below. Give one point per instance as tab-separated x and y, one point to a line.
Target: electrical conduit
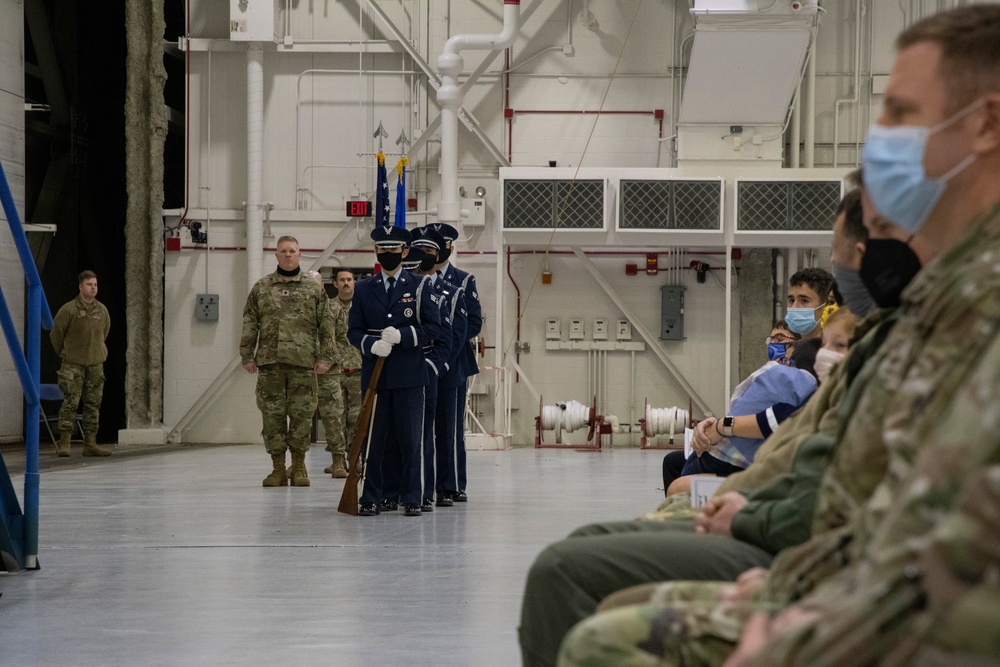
255	164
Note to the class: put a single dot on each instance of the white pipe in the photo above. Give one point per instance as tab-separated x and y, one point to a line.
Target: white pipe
729	322
795	138
855	93
450	96
255	164
809	109
631	402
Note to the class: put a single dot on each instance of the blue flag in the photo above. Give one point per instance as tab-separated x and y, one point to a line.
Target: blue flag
400	219
381	194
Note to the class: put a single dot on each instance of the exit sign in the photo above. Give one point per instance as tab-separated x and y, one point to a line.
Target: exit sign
359	209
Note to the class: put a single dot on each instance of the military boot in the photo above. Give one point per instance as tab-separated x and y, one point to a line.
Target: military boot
62	447
298	474
339	467
329	469
91	448
277	476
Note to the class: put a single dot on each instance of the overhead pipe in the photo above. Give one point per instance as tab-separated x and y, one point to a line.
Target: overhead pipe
255	164
450	97
856	91
809	108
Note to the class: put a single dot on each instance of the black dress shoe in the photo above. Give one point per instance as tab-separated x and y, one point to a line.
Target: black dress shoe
427	505
388	505
411	510
460	497
368	509
444	500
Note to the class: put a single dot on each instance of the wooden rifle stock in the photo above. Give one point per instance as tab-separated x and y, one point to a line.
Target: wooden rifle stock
349	498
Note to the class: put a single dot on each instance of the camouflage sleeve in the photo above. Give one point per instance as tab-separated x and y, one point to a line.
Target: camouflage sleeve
107	321
343	346
60	325
327	352
251	326
780	515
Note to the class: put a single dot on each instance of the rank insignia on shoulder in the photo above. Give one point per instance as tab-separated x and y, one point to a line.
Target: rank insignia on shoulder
475	296
407	295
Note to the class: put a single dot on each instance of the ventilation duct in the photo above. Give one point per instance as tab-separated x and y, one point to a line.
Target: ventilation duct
746	64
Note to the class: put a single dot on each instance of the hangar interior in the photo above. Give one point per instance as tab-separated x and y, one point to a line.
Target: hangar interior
633	181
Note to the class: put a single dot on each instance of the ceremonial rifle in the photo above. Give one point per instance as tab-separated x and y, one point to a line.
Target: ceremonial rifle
362	431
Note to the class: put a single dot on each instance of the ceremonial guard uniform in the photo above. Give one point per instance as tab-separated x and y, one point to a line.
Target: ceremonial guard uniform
393	315
467	357
440	425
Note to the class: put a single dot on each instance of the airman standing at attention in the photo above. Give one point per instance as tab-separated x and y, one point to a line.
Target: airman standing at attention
394	315
348	375
467	357
78	334
288	336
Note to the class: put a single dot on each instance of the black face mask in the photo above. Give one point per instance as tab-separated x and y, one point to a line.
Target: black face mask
428	262
289	274
443	255
887	267
389	260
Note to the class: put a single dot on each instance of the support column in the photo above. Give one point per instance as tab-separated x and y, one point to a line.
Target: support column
145	133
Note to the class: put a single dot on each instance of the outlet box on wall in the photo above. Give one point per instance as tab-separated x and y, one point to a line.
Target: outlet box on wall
206	308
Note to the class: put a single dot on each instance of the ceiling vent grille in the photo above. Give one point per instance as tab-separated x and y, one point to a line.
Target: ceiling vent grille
662	205
548	204
786	206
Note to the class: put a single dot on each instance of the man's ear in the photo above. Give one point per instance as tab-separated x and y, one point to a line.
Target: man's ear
987	138
859	249
406	251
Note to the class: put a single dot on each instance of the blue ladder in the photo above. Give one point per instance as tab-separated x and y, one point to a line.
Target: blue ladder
19	531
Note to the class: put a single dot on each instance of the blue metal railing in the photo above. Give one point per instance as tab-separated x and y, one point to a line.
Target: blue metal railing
20	532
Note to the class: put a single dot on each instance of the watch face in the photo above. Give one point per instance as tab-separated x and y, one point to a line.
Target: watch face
728	422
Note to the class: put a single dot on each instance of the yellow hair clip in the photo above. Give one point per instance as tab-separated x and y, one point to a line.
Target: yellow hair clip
827	312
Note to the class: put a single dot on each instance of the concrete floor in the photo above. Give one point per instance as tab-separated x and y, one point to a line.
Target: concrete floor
182	558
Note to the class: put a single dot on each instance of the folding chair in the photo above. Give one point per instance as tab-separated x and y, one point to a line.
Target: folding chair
52	392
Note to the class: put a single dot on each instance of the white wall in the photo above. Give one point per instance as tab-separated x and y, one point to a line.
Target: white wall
317	124
12	157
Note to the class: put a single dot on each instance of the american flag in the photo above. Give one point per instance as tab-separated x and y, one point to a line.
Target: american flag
400	219
381	194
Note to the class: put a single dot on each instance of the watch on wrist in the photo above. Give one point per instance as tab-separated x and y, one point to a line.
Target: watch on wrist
727	426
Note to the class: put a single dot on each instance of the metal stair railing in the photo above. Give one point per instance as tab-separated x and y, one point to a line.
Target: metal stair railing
19	531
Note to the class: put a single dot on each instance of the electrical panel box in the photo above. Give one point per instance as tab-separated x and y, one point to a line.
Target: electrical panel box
576	330
553	330
624	330
477	212
600	329
206	308
671	312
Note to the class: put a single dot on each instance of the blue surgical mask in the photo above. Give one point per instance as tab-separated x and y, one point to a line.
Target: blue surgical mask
776	351
893	161
801	320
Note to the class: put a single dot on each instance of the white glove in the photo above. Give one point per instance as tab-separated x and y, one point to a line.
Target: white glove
391	335
380	348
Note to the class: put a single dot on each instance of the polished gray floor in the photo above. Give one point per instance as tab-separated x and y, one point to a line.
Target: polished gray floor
182	558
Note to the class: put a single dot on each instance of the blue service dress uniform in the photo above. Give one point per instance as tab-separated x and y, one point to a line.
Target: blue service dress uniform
467	359
413	310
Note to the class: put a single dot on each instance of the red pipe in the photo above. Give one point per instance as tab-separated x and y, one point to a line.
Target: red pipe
611	252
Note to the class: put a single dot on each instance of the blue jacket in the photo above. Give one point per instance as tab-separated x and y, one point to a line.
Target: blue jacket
414	310
474	311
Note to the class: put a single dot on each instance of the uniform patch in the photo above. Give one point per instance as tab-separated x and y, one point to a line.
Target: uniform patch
475	296
408	312
285	292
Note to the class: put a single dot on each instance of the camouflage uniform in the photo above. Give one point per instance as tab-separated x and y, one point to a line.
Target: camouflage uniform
570	577
330	396
902	566
289	323
78	334
348	376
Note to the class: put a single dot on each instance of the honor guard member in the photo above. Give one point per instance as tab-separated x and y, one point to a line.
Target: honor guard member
288	336
330	400
467	357
348	374
78	334
440	420
437	354
393	315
